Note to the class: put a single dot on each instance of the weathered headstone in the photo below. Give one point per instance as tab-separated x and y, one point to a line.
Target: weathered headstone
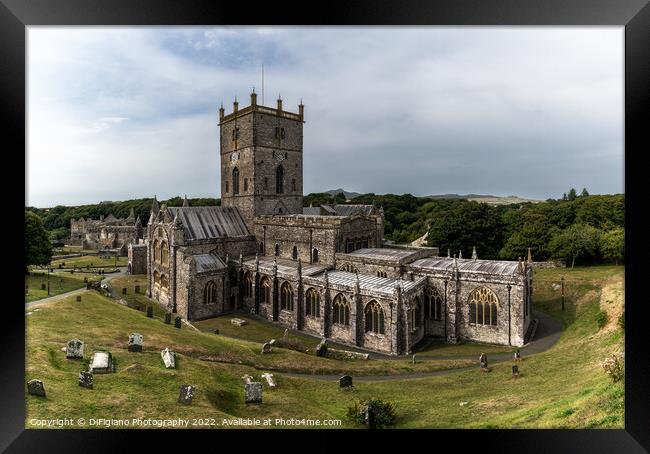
168	358
137	289
321	349
286	332
369	417
253	393
150	311
238	322
413	360
186	394
269	379
177	322
43	286
266	348
36	388
247	379
123	290
216	331
483	362
517	356
345	381
78	298
86	380
85	279
101	363
135	342
515	371
168	318
74	349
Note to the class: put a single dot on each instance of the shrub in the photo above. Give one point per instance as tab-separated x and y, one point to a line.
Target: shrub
384	412
601	319
621	320
614	366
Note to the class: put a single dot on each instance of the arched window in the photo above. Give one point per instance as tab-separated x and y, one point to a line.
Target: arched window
248	284
294	253
156	251
433	304
245	184
414	315
279	180
235	180
164	253
382	274
374	317
277	249
314	256
286	297
164	283
312	303
483	305
156	277
341	310
210	293
265	294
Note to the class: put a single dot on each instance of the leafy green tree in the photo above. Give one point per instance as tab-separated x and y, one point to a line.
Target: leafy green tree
577	241
465	225
564	196
536	235
572	194
612	244
584	192
340	198
601	211
38	249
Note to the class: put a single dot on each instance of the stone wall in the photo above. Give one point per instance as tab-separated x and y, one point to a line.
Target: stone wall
137	254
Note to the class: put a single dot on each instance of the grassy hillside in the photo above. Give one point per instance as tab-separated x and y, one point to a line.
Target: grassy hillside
563	387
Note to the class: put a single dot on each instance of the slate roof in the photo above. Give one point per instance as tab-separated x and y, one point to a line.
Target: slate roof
383	253
202	223
468	265
286	266
314	211
208	262
382	285
349	210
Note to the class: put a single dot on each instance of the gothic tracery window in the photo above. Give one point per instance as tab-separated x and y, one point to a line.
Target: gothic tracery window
433	304
483	307
235	180
210	293
414	315
312	303
248	285
341	310
286	297
294	253
374	317
314	256
265	294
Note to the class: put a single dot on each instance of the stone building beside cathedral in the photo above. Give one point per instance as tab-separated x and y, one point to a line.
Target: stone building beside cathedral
322	270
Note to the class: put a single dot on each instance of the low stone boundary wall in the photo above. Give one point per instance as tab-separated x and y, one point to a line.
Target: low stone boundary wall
549	264
345	354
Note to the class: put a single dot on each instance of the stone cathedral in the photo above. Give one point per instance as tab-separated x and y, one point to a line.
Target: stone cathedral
321	270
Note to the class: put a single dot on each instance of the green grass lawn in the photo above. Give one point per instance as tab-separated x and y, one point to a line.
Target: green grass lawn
59	283
135	300
562	387
438	348
89	260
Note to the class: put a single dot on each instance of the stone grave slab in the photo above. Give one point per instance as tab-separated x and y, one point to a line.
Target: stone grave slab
101	363
168	358
74	349
135	342
253	393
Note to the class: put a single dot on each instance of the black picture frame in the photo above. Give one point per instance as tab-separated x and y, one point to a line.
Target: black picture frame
634	15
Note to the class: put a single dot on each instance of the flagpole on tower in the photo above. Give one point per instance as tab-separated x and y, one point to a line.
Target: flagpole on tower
262	83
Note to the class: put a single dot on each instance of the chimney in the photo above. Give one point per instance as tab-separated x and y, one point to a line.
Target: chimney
253	98
235	106
221	112
279	103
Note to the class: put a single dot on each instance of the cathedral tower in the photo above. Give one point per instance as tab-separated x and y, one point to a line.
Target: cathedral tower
261	159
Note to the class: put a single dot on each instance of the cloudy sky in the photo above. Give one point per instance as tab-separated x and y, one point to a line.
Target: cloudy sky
121	113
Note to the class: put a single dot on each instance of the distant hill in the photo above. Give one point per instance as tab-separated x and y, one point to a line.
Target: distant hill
489	199
348	195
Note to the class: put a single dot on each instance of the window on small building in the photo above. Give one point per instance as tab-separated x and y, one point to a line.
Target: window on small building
341	310
312	303
294	253
483	307
286	297
235	180
374	318
210	293
314	256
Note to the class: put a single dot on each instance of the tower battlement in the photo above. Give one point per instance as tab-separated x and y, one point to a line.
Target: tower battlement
255	107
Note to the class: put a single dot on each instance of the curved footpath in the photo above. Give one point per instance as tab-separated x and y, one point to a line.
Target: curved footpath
79	291
548	333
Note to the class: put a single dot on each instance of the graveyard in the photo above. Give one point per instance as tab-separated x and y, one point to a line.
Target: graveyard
59	283
564	386
90	260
